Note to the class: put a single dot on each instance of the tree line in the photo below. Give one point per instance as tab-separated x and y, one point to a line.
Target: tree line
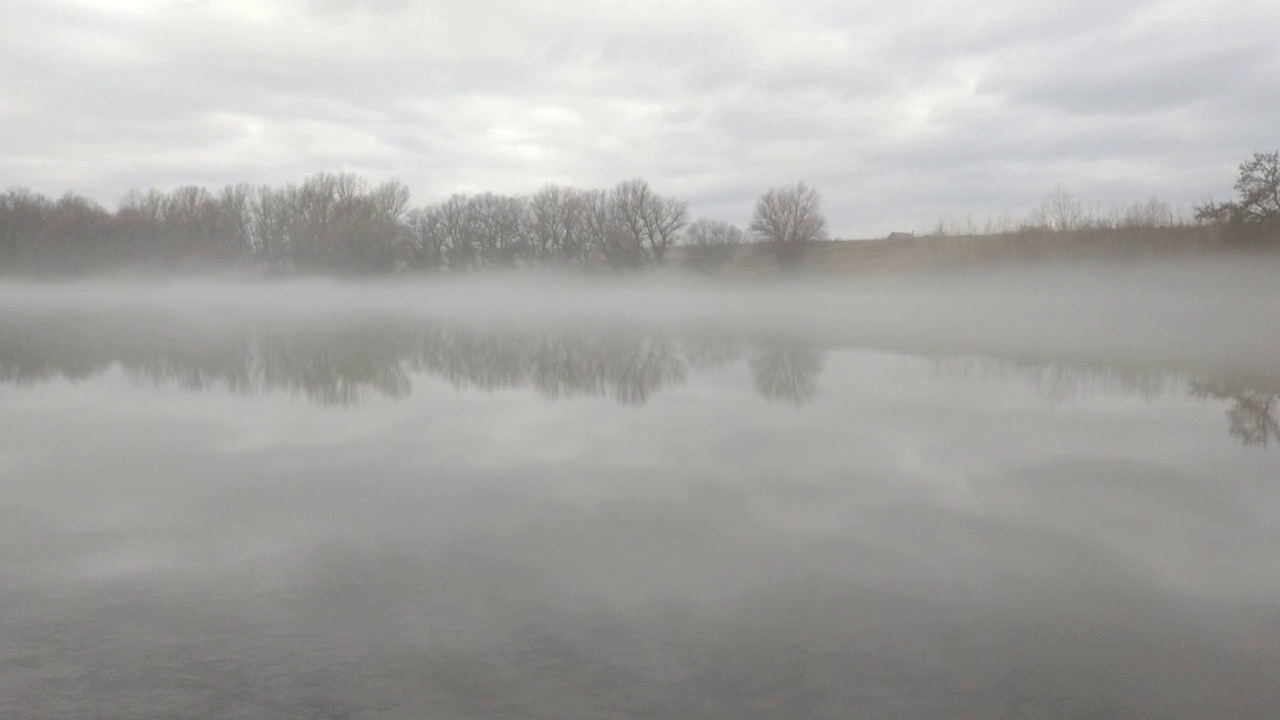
1253	217
342	222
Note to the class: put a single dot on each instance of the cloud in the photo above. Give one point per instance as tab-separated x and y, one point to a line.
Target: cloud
898	114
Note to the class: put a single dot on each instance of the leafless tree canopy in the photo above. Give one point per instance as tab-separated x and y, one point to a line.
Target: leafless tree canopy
1152	213
712	243
652	222
554	225
424	239
498	226
1060	211
1255	213
607	232
789	219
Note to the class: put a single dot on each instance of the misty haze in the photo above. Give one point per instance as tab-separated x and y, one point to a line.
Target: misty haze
403	360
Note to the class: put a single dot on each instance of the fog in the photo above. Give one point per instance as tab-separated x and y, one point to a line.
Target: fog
1044	491
1216	310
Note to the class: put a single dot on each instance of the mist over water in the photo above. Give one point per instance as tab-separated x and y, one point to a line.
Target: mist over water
1042	493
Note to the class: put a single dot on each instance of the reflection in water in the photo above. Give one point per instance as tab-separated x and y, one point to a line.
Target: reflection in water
628	368
1057	382
1251	410
786	371
337	365
343	362
1252	402
902	546
712	349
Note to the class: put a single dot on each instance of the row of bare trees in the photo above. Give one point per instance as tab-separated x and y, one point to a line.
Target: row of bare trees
341	222
1253	216
625	228
1063	211
330	221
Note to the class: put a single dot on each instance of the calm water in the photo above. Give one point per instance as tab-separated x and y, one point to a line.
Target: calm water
420	515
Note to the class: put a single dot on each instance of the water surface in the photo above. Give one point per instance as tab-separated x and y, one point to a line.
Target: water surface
251	510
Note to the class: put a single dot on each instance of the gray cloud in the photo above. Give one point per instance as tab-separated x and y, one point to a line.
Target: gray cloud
899	114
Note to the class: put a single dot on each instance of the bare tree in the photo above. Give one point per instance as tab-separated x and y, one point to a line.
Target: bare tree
271	221
425	242
664	219
333	221
387	204
390	200
73	231
608	232
789	219
349	230
652	222
1255	213
553	225
149	206
712	243
498	222
631	200
1060	211
577	248
461	238
237	218
1153	213
192	223
23	216
310	211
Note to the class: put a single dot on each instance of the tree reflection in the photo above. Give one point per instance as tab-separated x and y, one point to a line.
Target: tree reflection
1253	402
348	360
343	366
340	362
1251	410
786	371
627	367
711	349
1057	381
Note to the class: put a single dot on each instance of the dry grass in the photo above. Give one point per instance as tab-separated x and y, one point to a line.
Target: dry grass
930	254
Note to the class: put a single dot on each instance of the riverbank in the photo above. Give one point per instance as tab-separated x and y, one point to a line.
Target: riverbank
933	254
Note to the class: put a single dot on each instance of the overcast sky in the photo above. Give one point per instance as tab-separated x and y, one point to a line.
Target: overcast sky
900	112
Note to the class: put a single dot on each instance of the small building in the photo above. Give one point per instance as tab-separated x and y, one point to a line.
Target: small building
900	236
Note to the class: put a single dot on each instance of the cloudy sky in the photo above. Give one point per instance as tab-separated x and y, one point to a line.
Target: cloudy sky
901	113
